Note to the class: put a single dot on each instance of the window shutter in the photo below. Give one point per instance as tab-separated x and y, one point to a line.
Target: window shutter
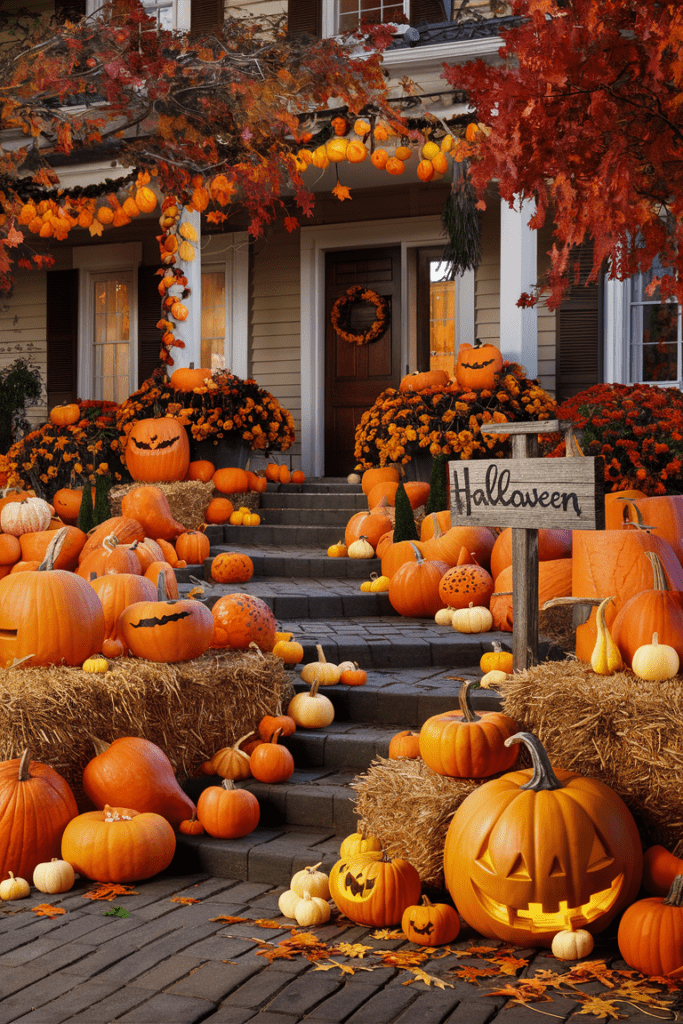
304	17
207	15
579	331
69	10
62	336
149	311
427	12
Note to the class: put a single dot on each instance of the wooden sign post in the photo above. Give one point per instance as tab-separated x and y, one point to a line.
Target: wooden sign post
527	493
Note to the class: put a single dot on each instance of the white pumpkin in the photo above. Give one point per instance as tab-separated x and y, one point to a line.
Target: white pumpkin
54	876
572	945
29	516
655	662
311	911
472	619
312	881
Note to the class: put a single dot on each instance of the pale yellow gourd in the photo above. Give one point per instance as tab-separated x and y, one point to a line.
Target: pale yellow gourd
655	662
361	548
444	617
357	842
312	881
311	911
572	944
14	888
606	658
346	666
366	586
54	876
311	710
493	678
379	584
353	478
288	902
321	671
472	619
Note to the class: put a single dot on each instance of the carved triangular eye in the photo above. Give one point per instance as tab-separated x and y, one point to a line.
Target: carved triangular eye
519	869
556	868
599	857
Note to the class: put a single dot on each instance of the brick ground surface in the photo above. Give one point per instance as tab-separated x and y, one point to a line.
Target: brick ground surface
175	963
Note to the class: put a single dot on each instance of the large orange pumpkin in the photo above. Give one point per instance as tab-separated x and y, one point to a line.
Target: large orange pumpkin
552	544
367	524
371	477
158	450
418	381
125	529
34	546
535	849
662	516
116	592
36	804
240	619
477	365
166	630
193	547
109	557
149	506
464	745
477	540
118	844
657	610
231	480
554	580
185	379
650	933
227	812
138	769
414	587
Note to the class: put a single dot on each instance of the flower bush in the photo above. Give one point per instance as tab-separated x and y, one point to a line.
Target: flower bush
447	420
225	405
636	428
53	457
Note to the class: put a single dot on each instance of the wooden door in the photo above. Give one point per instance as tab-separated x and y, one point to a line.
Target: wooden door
356	374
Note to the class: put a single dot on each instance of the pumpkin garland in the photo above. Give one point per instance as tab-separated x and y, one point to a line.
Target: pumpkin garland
341	312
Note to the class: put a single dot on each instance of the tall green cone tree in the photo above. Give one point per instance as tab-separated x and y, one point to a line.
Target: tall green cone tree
438	499
86	513
404	524
101	511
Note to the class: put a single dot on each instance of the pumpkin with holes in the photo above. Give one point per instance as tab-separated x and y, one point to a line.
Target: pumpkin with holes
530	851
374	889
166	630
463	585
193	547
51	614
36	804
118	844
227	812
430	924
232	567
241	619
158	450
477	365
650	933
465	745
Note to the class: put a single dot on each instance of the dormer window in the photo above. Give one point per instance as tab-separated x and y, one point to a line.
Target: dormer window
352	12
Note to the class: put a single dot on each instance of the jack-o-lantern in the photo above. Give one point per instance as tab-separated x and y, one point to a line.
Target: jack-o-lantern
49	614
477	365
158	450
373	888
165	630
536	851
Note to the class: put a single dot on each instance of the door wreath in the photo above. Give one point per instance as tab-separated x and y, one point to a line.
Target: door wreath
341	312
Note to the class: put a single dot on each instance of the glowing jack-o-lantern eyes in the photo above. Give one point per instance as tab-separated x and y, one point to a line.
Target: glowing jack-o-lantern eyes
158	450
558	851
373	889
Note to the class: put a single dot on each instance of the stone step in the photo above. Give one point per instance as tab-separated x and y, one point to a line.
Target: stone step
292	516
353	500
286	561
298	605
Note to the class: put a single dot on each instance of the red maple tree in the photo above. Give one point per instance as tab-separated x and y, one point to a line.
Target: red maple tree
223	113
585	117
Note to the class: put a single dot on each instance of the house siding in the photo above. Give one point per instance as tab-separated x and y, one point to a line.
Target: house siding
23	322
275	326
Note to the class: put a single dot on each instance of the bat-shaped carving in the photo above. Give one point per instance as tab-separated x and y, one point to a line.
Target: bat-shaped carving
167	443
161	621
477	366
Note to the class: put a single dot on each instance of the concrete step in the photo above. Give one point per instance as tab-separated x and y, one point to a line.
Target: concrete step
353	500
304	536
298	605
292	516
285	561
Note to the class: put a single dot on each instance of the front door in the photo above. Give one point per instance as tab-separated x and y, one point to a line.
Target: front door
356	374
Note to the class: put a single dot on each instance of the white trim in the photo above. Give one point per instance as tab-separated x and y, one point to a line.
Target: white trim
518	273
616	333
315	243
91	260
420	61
189	331
232	251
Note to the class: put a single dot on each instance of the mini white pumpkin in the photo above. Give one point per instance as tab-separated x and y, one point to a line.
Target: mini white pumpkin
54	876
288	902
14	888
572	944
655	662
311	911
353	478
312	881
472	619
32	515
321	671
361	548
444	617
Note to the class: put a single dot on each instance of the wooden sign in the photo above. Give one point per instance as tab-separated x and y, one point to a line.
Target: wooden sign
557	494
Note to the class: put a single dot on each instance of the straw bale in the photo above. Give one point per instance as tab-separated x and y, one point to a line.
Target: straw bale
408	807
188	499
557	625
619	729
190	709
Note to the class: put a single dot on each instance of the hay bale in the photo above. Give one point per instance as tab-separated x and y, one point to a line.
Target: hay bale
188	499
619	729
190	709
557	625
409	808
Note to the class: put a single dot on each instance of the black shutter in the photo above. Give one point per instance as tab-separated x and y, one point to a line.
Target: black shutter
304	17
149	312
427	12
206	16
69	10
579	331
62	336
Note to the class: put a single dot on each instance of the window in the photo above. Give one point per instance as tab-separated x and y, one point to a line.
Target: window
162	11
112	362
213	317
655	333
441	318
351	12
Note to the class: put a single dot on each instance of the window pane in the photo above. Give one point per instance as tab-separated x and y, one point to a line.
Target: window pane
213	319
441	319
161	11
352	11
654	340
112	340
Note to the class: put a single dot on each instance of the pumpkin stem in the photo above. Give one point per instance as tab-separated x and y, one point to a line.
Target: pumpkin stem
419	557
543	777
674	897
276	736
660	581
228	784
24	763
110	542
426	902
99	745
236	744
313	692
162	592
253	646
53	550
313	867
438	532
465	702
638	523
321	654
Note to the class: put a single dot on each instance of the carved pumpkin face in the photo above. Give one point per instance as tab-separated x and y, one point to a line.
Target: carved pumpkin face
373	889
476	367
522	864
166	631
158	450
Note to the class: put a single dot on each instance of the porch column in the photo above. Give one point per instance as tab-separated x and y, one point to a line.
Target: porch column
518	273
190	330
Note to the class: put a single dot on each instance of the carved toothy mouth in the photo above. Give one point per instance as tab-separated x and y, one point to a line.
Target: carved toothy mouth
533	918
